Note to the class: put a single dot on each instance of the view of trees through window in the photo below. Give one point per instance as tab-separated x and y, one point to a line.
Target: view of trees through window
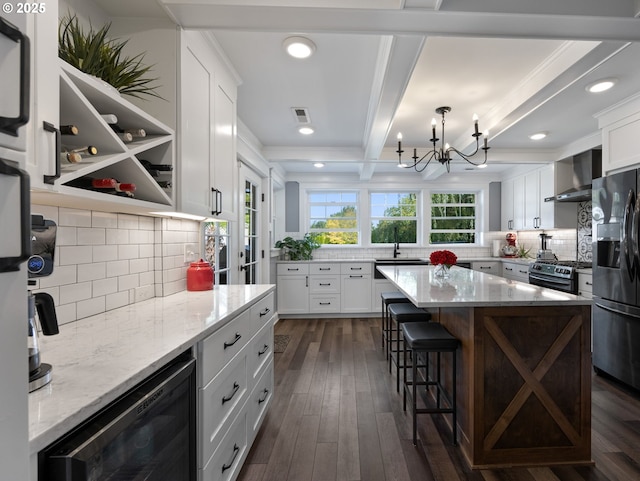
453	218
333	217
394	218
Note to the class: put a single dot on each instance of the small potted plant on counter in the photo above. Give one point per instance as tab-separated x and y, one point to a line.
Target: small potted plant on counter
298	249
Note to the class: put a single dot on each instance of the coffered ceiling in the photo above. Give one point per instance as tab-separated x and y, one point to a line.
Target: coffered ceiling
383	67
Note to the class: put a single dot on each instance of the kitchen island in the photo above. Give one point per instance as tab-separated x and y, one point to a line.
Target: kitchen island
524	367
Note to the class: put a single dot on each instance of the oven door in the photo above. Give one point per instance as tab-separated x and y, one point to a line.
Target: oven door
557	283
148	434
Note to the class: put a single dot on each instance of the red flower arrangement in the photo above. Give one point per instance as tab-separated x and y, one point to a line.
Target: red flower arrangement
445	257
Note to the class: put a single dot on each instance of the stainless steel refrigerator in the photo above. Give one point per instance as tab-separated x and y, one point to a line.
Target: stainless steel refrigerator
15	245
616	276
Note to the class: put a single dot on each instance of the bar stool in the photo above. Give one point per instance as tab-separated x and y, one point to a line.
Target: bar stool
392	297
401	313
427	337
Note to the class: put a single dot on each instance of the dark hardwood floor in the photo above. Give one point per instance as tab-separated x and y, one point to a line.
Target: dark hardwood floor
336	416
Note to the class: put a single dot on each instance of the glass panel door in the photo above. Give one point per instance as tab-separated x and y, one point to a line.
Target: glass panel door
250	250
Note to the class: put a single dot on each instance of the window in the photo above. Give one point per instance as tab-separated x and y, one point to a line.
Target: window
394	217
453	218
216	240
333	217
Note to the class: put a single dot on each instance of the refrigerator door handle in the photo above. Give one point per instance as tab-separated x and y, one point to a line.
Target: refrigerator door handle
628	237
9	264
614	310
635	241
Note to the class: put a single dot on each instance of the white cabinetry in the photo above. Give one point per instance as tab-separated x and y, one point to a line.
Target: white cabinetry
506	211
585	284
488	267
207	119
356	287
293	287
515	271
531	218
235	372
324	287
620	132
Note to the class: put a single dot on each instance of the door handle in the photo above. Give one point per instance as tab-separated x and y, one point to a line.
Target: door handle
10	125
50	179
236	450
226	399
236	339
9	264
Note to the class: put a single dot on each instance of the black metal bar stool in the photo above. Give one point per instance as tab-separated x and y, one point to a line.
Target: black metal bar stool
400	313
427	337
392	297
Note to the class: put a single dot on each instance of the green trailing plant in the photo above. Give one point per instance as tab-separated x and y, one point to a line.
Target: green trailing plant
298	249
94	53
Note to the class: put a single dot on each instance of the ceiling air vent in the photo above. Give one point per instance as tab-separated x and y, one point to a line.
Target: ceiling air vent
302	115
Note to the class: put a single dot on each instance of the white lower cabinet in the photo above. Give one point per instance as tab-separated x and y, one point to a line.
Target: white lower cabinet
293	288
235	377
355	287
516	271
488	267
585	284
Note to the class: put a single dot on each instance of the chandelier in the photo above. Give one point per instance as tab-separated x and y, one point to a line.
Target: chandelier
443	154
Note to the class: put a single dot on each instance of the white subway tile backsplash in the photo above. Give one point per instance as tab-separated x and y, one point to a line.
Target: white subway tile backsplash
47	211
91	236
68	255
128	282
143	293
75	292
105	286
61	275
74	217
91	272
128	221
146	250
105	253
66	313
147	278
119	299
141	237
138	265
117	236
128	251
90	307
117	268
146	223
66	236
104	219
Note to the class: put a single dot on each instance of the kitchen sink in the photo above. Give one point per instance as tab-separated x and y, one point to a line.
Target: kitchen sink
398	261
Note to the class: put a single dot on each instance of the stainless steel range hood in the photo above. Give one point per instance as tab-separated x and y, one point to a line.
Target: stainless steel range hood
586	167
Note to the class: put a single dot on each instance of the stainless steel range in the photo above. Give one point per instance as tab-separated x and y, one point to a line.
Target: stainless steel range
558	275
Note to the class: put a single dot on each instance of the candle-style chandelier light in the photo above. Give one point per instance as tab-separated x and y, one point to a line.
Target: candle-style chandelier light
442	154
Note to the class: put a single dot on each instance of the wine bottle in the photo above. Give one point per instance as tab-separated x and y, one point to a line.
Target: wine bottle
154	169
69	130
165	184
125	136
107	185
70	157
87	149
109	118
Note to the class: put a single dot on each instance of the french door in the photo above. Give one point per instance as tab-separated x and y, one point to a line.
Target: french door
250	256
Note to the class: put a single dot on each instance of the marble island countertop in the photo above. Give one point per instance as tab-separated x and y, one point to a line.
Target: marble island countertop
465	287
97	359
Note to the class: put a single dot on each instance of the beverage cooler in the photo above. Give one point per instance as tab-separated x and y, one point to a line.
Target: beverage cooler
148	434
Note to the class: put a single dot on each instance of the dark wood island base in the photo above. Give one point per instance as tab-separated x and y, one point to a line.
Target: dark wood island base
524	384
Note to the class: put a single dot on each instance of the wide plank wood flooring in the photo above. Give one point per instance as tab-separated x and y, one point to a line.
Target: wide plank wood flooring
336	416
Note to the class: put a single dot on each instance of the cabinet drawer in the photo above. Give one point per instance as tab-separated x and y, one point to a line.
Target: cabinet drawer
219	348
585	285
262	311
517	272
218	403
323	268
261	351
489	267
326	303
226	462
293	268
324	284
259	402
356	268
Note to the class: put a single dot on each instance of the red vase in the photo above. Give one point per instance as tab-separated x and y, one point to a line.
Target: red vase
199	276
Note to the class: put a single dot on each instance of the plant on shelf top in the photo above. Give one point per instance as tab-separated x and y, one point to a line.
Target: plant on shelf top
93	53
443	257
298	249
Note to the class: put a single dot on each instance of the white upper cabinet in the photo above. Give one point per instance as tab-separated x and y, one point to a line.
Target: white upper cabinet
620	132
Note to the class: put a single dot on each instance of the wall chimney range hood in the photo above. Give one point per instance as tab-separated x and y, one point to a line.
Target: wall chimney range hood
574	176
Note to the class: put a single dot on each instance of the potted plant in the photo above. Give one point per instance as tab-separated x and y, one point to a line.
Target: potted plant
93	53
298	249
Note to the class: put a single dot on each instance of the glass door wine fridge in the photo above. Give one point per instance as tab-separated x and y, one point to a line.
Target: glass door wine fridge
148	434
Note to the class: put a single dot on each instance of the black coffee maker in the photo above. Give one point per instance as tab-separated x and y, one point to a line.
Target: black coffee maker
40	264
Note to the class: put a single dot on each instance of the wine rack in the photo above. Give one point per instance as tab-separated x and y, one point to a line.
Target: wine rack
83	99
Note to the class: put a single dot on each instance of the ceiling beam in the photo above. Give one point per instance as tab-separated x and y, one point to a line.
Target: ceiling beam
405	22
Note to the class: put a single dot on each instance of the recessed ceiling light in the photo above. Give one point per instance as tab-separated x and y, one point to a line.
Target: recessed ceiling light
538	136
305	130
601	85
318	165
299	47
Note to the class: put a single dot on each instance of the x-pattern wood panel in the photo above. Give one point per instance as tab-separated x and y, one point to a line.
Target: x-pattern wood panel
532	381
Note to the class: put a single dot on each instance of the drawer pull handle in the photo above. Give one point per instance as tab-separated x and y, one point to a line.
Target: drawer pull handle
236	450
325	283
264	349
588	283
356	277
264	398
265	312
508	268
228	398
324	268
292	269
485	267
229	344
523	272
356	268
325	303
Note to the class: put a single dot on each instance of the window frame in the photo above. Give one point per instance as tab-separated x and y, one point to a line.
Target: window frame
358	218
417	218
477	217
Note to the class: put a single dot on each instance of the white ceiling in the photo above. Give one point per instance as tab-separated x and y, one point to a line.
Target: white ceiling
383	67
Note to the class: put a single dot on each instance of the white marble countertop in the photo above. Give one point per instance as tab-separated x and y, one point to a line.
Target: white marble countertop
99	358
518	260
465	287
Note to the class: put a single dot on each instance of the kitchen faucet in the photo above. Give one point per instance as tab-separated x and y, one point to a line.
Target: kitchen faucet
396	244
